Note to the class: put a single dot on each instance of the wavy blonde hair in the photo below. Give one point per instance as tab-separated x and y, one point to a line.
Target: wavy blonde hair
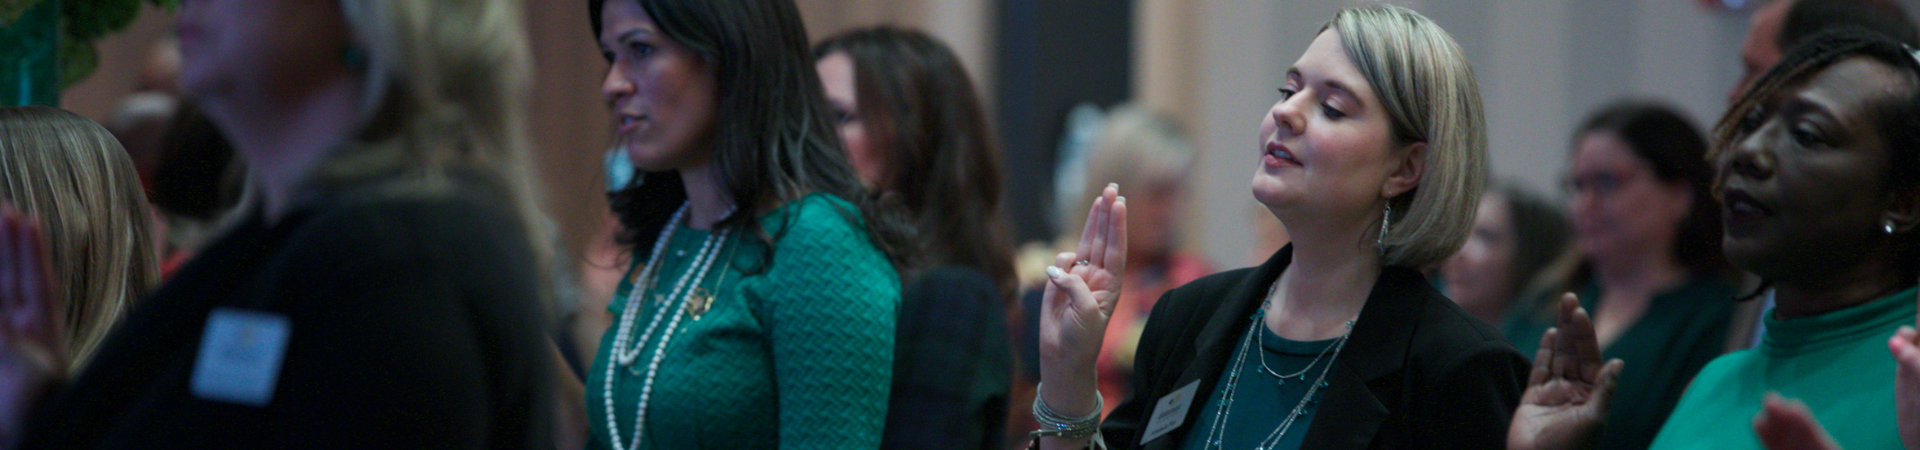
73	175
445	84
1430	95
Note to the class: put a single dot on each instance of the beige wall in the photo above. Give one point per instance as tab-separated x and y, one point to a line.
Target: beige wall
965	25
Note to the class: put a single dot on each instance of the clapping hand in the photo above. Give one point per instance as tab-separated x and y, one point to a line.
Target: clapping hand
1565	406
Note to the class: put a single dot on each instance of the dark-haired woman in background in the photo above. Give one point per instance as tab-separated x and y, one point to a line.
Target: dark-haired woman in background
914	128
760	309
1647	230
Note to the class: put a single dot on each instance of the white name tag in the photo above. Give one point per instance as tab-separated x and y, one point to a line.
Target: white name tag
240	354
1170	412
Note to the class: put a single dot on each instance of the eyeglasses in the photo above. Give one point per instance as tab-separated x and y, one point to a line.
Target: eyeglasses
1598	183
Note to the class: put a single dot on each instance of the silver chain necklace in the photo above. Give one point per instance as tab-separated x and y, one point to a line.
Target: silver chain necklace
1217	433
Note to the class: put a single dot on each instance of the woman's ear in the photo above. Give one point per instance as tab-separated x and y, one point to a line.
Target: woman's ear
1904	211
1406	175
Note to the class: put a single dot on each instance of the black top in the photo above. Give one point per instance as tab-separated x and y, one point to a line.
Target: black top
1417	371
413	323
1682	330
951	363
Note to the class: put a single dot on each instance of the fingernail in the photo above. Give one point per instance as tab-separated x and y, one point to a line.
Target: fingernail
1054	272
1115	186
1123	199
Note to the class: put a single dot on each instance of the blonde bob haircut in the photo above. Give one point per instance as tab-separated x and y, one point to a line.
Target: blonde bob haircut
1429	93
75	178
444	81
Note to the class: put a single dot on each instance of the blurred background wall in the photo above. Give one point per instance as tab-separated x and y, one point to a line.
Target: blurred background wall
1212	65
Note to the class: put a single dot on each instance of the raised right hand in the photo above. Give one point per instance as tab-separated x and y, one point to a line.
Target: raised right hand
1565	406
1078	300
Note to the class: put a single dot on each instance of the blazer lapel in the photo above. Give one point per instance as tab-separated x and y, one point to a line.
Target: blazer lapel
1352	411
1216	342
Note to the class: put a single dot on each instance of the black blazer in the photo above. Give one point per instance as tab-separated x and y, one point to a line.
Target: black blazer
414	323
1417	371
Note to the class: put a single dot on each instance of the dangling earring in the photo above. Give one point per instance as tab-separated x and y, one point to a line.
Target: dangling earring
1886	225
1386	218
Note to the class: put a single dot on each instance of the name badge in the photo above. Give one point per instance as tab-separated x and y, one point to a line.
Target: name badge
240	353
1170	412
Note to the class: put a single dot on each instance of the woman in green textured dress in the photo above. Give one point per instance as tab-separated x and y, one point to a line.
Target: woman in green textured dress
760	307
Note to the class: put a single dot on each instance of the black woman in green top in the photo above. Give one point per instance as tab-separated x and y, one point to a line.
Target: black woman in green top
1818	169
759	311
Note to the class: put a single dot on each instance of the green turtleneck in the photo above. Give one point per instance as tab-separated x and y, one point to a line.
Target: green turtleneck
1835	362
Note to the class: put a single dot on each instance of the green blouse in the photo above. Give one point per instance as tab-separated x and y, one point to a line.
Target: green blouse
1262	401
1683	329
1835	362
796	356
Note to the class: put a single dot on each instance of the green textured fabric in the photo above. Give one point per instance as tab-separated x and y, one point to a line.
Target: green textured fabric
1835	362
798	356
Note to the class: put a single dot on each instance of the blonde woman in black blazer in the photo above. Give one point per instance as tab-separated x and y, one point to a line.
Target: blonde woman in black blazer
1373	158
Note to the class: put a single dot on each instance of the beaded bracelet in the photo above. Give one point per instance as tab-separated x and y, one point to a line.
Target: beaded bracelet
1055	424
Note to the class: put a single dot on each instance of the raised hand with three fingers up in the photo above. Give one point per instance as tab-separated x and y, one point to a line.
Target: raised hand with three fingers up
1082	288
1565	405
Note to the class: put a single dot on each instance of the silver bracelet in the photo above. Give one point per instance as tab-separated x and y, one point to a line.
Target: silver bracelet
1054	424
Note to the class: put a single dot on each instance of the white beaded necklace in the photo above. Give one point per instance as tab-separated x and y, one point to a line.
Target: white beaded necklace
624	355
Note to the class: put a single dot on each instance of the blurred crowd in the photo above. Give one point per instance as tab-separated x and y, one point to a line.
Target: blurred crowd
315	225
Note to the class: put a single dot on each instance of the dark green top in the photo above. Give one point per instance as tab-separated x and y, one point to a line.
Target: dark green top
1262	401
1835	362
797	356
1682	330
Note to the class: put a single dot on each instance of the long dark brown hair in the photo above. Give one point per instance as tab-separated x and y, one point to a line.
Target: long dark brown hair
919	108
1677	152
773	141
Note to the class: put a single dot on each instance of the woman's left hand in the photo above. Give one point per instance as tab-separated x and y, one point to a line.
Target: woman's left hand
1905	346
1565	405
1785	424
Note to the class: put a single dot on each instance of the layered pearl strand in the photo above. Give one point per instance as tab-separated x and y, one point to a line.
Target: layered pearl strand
624	354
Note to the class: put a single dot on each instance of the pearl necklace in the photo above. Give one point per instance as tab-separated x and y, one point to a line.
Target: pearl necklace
623	354
1216	435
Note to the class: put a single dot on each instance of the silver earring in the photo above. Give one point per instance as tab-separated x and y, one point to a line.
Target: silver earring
1386	218
1886	225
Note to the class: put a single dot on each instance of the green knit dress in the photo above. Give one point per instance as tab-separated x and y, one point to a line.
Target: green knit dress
796	356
